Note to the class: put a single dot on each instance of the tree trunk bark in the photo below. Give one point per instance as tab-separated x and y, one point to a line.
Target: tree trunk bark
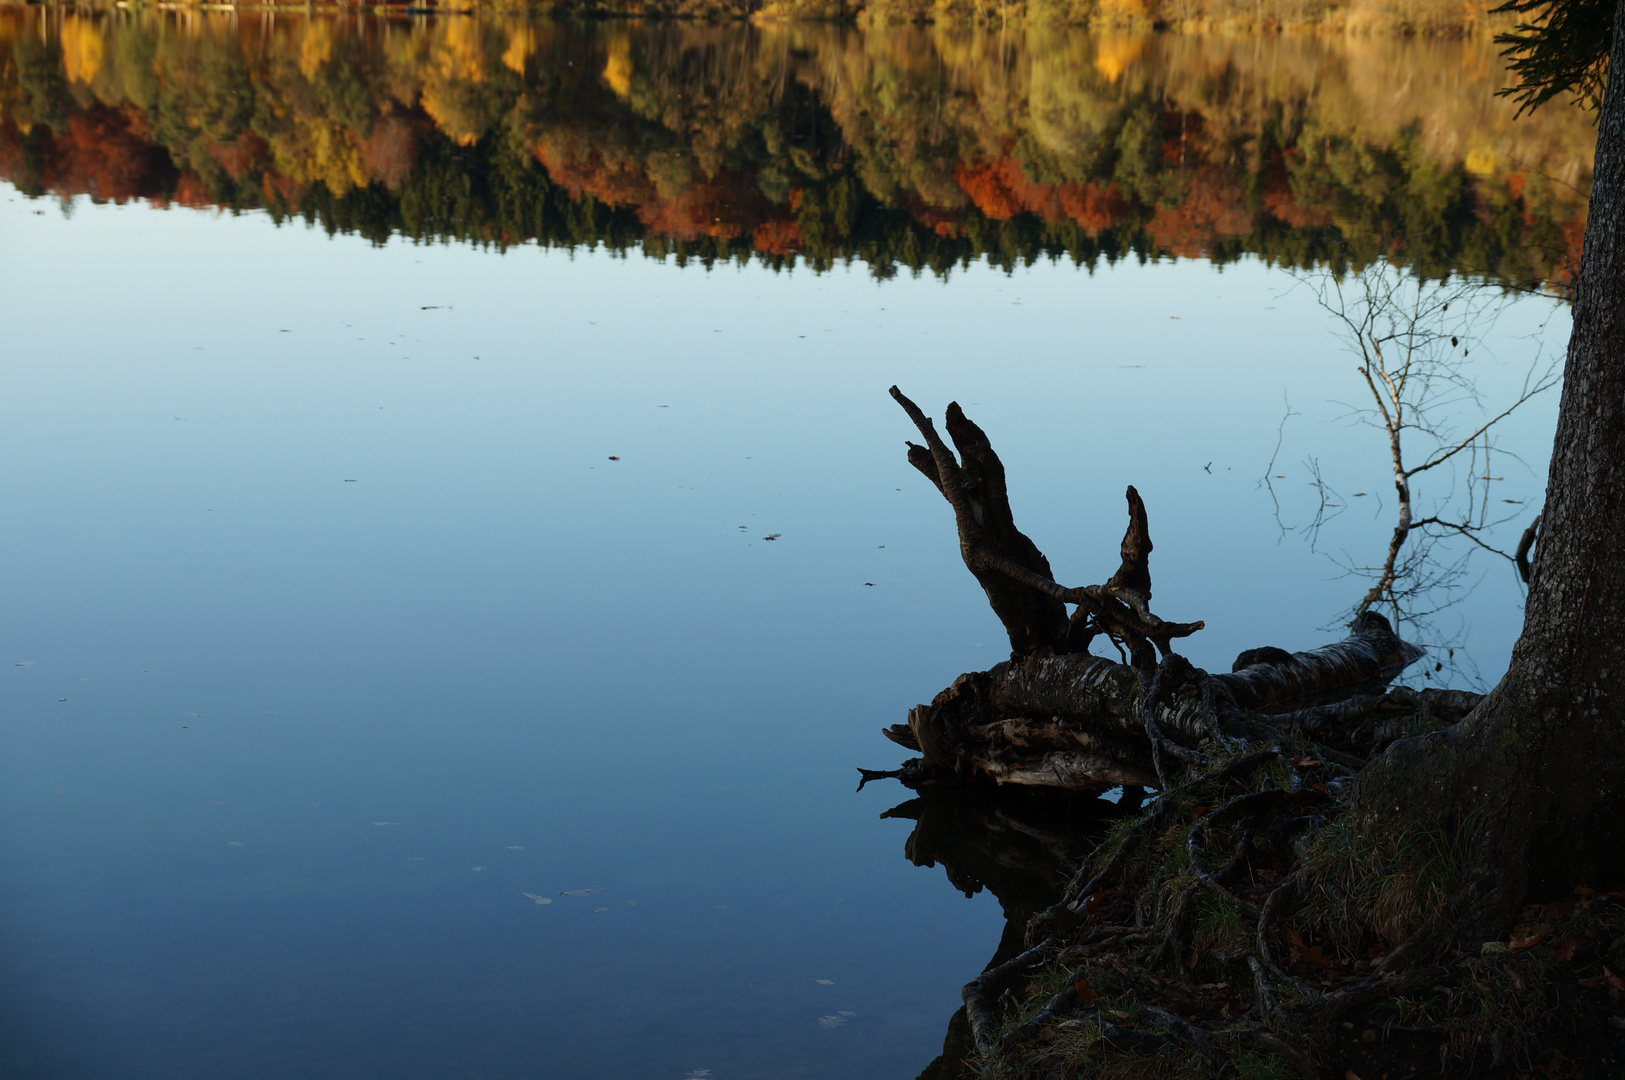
1532	782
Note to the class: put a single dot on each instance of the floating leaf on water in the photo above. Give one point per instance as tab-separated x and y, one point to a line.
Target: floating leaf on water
825	982
834	1020
539	899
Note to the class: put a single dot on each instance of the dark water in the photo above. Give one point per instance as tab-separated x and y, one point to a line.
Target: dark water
357	597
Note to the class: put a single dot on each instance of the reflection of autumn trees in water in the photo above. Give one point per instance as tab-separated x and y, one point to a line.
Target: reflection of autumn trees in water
911	147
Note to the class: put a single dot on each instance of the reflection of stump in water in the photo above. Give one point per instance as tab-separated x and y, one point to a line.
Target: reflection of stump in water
1021	846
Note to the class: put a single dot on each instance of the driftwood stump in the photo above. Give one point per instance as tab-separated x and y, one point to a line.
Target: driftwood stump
1056	716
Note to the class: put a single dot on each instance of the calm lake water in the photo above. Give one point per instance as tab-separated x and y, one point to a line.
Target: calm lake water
450	658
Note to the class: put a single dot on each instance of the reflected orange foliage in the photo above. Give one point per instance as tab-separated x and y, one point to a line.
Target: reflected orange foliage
777	237
192	192
104	154
1001	190
1212	207
621	183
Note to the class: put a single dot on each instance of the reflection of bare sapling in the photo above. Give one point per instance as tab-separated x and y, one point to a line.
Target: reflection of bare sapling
1412	339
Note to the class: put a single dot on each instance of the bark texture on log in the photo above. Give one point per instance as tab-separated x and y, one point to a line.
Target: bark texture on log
1051	721
1532	783
1074	721
1275	680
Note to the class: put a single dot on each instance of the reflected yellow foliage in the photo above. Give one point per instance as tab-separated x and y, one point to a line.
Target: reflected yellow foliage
618	67
522	40
452	90
82	49
459	55
1116	52
315	47
1480	161
320	151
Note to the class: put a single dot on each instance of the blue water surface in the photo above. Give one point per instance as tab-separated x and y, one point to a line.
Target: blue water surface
355	598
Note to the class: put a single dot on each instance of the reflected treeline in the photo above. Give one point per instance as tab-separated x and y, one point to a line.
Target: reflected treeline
1023	847
921	148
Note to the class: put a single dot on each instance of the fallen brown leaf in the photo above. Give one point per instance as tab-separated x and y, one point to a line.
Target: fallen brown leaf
1520	942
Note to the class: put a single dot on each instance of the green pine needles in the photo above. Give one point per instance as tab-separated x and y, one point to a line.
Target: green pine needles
1562	47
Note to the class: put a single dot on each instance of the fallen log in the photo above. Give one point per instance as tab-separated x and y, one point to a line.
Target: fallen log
1273	680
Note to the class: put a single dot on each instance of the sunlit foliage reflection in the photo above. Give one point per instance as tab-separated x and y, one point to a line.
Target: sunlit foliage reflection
911	147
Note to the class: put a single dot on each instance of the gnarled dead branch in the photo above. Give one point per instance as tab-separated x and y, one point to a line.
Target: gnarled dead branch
1055	715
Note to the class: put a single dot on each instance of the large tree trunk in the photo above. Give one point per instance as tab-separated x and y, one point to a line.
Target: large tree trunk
1532	782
